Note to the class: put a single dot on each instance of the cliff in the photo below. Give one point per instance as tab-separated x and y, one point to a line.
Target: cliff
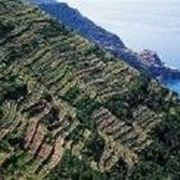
70	110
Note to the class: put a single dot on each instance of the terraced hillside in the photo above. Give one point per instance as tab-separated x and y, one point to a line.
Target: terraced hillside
69	110
146	60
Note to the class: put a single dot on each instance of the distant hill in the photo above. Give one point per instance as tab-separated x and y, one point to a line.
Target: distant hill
70	110
75	20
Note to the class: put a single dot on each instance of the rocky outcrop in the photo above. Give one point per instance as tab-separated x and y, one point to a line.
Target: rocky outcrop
150	58
157	67
147	60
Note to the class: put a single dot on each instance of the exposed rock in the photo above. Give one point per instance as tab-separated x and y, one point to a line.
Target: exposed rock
150	58
157	67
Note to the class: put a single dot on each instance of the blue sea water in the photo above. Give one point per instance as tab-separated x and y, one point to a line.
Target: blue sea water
153	24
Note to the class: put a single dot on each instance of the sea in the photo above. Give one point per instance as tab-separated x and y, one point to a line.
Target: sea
141	24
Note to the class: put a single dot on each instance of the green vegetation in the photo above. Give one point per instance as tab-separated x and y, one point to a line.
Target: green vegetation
74	168
70	110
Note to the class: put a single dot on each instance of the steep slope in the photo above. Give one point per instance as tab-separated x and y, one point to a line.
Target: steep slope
69	110
146	60
74	19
